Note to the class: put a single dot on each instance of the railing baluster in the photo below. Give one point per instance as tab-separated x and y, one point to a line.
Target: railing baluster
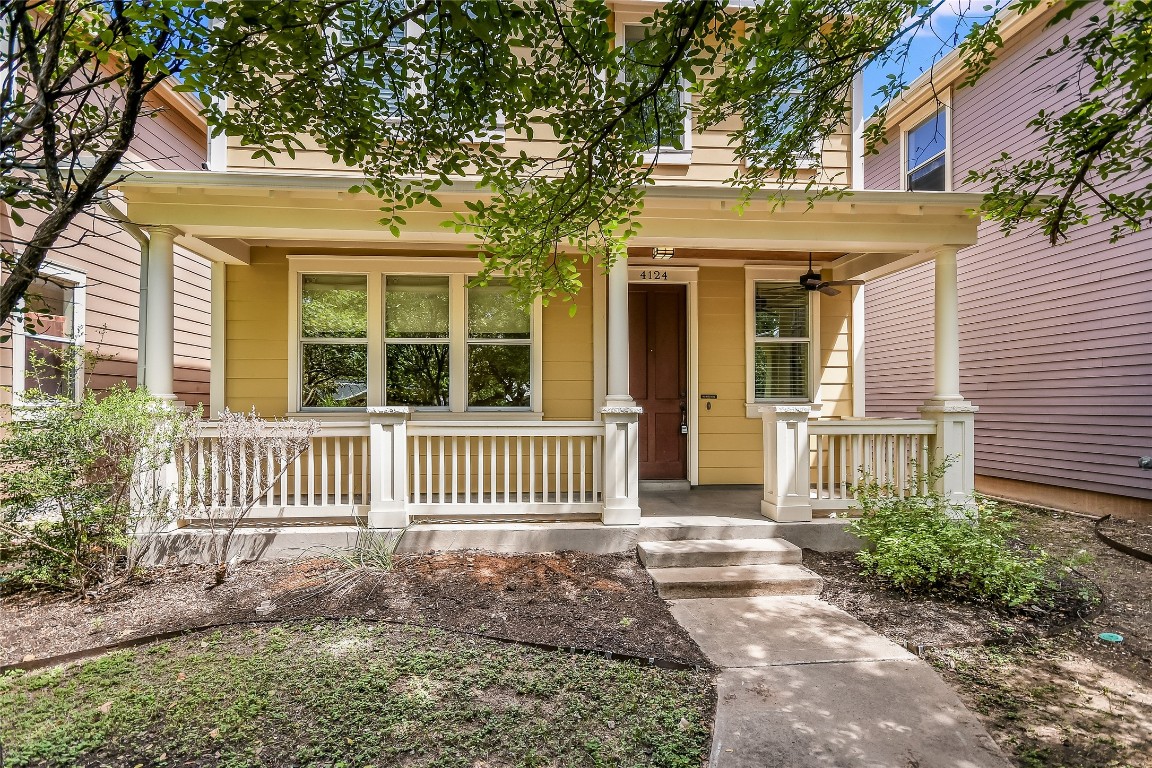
531	469
323	471
455	469
596	468
467	470
337	468
571	485
519	470
583	475
544	467
558	483
480	469
493	482
507	469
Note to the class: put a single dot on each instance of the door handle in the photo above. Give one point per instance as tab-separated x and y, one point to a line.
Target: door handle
683	419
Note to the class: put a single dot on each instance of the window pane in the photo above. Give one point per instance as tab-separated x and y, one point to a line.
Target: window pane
335	376
416	308
499	376
416	374
50	367
782	371
494	313
659	119
49	309
334	306
926	140
928	177
781	311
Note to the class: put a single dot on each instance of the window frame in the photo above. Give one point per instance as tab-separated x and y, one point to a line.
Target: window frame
459	272
940	103
812	160
73	280
779	276
660	155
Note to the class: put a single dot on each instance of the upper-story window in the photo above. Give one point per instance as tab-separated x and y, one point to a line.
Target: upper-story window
385	62
926	154
663	118
48	337
761	130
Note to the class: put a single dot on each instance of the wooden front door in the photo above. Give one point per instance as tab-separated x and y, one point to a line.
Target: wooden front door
658	377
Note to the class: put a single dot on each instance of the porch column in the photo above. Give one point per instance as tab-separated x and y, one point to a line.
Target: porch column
159	342
954	416
618	334
787	481
388	466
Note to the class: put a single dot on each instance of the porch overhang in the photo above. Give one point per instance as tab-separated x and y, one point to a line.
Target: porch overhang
234	210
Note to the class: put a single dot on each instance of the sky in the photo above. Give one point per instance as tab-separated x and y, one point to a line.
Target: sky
931	43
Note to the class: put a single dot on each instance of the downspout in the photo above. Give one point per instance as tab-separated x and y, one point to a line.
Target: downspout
140	237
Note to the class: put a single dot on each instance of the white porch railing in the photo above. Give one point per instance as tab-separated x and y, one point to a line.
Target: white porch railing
393	470
551	468
332	476
894	452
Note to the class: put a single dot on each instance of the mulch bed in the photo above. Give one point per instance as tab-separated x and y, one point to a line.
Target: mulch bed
600	602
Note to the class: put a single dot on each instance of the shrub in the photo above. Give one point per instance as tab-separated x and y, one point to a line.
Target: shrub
922	542
72	490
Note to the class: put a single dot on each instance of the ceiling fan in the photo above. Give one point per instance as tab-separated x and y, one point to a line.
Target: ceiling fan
811	281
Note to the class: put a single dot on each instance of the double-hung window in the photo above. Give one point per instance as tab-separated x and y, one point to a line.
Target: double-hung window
445	345
781	342
385	63
926	154
762	128
663	118
334	341
48	338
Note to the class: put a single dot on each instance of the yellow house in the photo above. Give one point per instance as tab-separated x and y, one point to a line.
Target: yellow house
703	360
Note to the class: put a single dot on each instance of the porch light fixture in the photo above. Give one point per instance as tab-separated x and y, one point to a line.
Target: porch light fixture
663	254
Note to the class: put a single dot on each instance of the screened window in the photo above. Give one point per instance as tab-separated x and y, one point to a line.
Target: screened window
927	150
661	119
417	330
51	340
334	341
781	338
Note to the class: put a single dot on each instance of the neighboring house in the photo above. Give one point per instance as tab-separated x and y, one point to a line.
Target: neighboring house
90	292
1055	342
701	361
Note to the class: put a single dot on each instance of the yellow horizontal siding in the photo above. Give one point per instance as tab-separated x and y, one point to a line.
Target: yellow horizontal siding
256	351
568	384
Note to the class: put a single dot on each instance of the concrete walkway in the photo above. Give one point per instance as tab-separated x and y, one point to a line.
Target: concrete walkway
805	684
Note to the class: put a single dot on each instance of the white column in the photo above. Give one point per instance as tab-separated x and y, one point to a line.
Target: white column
621	464
159	344
219	339
947	327
787	468
954	416
388	465
618	333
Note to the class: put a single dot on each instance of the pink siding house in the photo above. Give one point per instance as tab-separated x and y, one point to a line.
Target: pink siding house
1055	342
94	278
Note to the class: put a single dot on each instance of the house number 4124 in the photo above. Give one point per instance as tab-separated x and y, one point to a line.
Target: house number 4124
654	274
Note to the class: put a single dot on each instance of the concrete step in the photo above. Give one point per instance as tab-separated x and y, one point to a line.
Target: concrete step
716	552
685	527
735	581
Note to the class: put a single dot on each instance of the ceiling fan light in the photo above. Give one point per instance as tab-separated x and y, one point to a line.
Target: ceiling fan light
663	253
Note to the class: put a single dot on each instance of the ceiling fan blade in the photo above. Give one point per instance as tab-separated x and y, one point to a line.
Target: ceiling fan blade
844	282
827	290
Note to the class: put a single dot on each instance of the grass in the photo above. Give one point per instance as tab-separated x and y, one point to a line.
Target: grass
352	694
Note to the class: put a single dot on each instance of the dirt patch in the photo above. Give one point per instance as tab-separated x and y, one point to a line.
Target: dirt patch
603	602
1048	689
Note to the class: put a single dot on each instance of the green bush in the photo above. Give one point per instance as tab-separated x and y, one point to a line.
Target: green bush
921	542
78	477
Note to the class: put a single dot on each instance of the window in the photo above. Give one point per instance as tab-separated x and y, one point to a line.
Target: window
334	341
781	337
663	119
762	128
48	336
388	61
428	341
926	148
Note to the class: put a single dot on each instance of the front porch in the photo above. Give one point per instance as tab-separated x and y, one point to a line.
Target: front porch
572	447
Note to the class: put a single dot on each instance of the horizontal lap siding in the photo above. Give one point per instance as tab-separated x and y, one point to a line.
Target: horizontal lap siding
166	140
567	357
256	364
1056	342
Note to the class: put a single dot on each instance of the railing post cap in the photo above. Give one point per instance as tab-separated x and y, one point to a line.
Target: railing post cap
785	412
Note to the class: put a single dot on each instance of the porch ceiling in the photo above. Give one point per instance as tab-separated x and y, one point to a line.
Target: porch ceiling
259	208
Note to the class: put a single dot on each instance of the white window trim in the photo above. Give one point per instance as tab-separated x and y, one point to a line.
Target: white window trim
76	281
458	271
941	101
666	156
784	275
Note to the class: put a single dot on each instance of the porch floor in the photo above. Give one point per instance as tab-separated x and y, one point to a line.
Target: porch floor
733	503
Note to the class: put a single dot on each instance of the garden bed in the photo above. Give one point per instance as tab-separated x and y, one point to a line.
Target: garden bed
1050	692
602	602
311	693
